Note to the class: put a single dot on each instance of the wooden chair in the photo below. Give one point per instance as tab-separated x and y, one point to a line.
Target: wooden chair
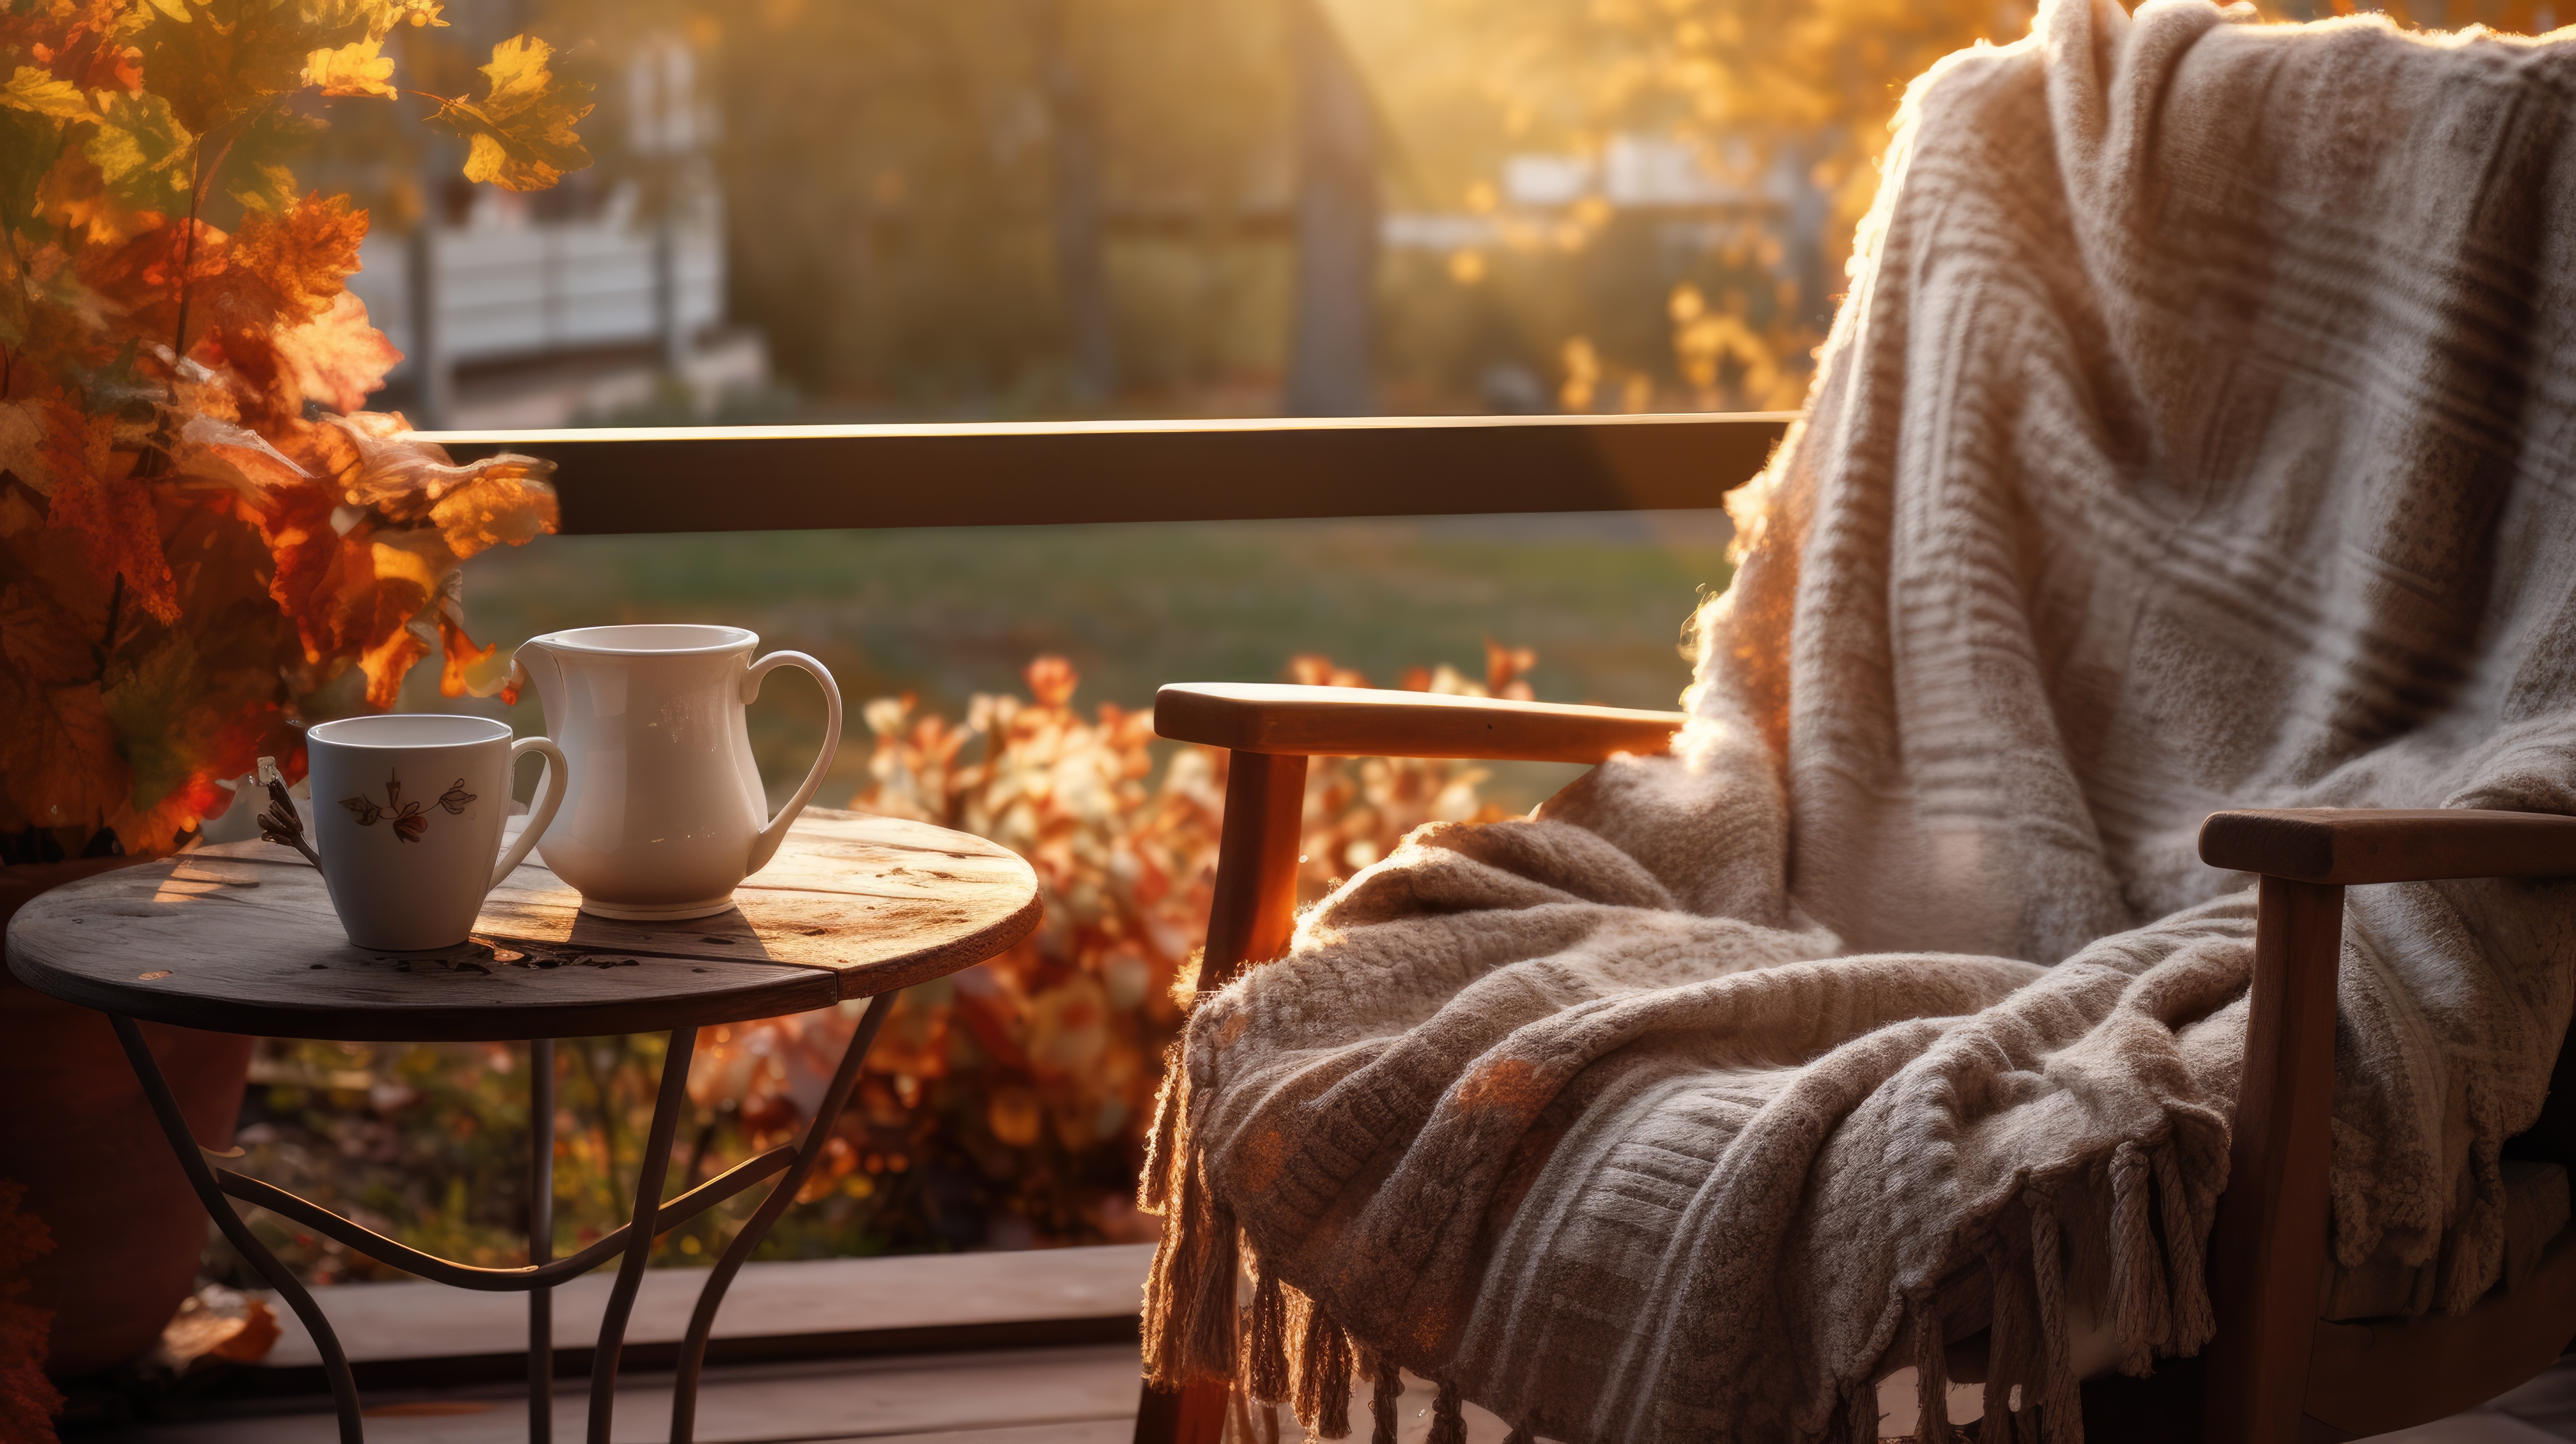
2275	1371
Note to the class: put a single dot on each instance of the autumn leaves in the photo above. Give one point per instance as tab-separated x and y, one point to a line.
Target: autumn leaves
190	546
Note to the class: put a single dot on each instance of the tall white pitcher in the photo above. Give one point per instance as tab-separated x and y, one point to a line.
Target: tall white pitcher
665	813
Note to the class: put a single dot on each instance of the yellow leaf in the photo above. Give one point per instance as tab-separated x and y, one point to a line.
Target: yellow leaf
37	90
521	132
414	12
175	9
357	68
146	156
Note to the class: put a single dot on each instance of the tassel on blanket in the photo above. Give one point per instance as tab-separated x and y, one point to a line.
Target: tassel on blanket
1163	1169
2061	1409
1858	1421
1931	1375
2141	1314
1382	1406
1265	1375
1448	1416
2193	1322
1204	1285
2007	1348
1185	1267
1324	1378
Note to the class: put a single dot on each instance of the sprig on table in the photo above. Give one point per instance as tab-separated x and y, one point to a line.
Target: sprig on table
282	823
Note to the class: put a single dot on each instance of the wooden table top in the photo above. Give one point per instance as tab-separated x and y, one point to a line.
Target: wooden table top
242	939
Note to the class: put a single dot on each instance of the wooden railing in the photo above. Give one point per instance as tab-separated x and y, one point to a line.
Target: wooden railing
769	478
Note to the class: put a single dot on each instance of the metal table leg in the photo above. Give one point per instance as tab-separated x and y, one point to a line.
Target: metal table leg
192	1161
818	1133
639	1242
541	1238
650	1216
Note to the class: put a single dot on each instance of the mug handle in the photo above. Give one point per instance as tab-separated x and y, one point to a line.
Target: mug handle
554	777
764	845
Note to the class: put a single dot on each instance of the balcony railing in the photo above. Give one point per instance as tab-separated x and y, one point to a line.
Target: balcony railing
766	478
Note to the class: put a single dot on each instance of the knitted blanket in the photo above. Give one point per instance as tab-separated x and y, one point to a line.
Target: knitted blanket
2199	432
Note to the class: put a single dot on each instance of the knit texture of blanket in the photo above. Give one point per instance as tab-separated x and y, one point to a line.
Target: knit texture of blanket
2199	432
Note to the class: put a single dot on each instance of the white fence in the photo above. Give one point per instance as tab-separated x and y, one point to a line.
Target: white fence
507	285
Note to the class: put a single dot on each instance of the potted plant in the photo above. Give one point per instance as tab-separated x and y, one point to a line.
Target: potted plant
199	529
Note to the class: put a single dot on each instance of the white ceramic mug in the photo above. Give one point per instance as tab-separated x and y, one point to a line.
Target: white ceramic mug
666	814
407	812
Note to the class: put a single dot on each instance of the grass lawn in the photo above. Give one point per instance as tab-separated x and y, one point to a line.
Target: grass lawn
946	613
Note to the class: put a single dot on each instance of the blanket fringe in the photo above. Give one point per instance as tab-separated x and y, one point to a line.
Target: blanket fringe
1448	1416
1265	1373
1203	1284
1931	1374
1286	1349
1324	1377
2061	1409
1382	1406
2141	1310
2007	1348
2193	1321
1858	1423
1182	1263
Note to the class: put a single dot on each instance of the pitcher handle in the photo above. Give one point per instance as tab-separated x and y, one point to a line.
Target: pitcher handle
557	774
765	845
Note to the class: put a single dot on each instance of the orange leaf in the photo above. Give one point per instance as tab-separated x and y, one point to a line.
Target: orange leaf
388	660
503	498
337	357
43	435
120	526
408	568
300	260
460	653
58	756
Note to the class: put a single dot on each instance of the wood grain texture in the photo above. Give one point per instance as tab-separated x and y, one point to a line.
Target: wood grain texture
2367	845
2380	1375
1365	722
1254	910
2268	1252
244	940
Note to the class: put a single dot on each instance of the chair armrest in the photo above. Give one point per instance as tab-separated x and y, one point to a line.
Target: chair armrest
2366	845
2269	1248
1365	722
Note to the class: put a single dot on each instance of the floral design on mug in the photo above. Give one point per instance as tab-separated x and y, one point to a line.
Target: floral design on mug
409	822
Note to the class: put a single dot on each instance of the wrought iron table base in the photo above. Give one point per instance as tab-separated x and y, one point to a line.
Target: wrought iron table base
632	1242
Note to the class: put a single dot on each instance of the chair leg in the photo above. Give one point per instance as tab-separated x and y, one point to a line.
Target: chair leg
1249	921
2270	1247
1193	1414
1255	908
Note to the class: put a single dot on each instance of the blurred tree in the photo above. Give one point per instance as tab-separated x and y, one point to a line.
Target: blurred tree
947	203
1337	222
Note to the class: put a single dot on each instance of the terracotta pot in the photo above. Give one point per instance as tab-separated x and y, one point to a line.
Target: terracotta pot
127	1228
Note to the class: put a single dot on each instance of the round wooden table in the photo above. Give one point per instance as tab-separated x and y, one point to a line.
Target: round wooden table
242	939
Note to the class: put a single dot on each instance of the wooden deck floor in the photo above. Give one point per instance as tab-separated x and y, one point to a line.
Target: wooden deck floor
891	1381
1083	1395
